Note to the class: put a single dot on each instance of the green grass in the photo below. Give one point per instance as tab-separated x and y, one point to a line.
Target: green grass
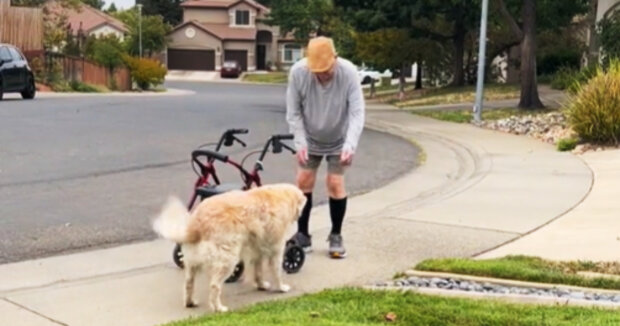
529	269
348	307
271	77
465	116
453	95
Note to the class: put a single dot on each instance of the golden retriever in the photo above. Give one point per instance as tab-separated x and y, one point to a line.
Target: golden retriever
224	229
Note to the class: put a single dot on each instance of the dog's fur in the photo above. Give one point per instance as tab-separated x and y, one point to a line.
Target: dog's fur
224	229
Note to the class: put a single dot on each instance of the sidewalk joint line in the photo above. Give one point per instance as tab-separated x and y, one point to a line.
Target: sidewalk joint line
454	225
35	312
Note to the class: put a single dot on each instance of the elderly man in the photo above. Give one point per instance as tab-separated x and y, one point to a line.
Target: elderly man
325	111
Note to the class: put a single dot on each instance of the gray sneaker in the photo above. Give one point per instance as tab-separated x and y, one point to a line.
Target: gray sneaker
336	248
302	240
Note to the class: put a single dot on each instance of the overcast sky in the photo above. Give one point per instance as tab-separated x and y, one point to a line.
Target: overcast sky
121	4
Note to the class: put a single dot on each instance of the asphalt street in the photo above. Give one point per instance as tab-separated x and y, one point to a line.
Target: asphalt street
90	172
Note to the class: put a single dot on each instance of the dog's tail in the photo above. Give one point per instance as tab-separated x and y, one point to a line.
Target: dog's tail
172	223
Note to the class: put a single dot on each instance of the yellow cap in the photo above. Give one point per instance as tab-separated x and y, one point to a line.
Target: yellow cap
321	54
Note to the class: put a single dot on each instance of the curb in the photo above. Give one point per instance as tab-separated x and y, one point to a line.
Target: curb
169	92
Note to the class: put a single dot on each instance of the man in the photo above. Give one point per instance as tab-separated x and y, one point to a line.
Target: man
325	111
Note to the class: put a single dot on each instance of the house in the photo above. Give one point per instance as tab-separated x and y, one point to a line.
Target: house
605	8
89	21
214	31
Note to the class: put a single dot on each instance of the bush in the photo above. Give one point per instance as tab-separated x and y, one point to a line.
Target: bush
571	79
146	73
567	144
594	112
84	88
553	62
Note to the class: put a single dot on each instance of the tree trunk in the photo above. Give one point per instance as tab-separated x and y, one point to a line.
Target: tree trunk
593	45
529	84
402	81
418	76
459	53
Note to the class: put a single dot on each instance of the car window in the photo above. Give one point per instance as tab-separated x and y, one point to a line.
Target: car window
4	54
15	54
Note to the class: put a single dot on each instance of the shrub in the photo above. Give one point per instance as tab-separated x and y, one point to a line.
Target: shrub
553	62
594	112
567	144
571	80
84	88
146	72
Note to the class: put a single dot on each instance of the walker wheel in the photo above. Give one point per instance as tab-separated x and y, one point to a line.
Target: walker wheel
236	275
177	256
294	258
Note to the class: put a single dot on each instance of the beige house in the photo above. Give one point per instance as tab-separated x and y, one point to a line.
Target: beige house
606	7
214	31
88	21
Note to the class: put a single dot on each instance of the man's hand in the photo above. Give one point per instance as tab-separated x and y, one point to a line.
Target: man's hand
346	157
302	156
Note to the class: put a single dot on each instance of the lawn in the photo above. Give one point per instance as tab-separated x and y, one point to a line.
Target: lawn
270	77
454	95
532	269
465	116
347	307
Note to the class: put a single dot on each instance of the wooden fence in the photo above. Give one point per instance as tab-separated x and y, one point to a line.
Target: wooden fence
81	70
20	26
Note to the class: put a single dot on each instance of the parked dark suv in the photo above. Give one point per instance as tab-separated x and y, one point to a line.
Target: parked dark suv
15	74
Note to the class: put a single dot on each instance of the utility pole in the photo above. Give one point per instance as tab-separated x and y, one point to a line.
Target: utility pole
140	27
481	60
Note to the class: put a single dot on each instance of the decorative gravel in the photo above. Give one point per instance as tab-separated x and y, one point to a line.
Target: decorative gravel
472	286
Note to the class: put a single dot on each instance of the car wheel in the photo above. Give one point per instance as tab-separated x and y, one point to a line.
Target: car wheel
1	90
30	91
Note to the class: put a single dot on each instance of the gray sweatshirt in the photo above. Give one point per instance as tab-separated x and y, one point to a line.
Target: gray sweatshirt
325	119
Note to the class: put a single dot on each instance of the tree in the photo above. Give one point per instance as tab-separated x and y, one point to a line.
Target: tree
609	29
535	15
437	20
97	4
112	8
170	10
387	48
154	32
303	18
107	51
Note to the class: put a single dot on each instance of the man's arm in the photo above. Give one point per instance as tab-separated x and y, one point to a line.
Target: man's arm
293	112
355	99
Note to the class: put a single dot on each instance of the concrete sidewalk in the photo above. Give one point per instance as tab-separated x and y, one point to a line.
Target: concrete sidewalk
589	232
476	190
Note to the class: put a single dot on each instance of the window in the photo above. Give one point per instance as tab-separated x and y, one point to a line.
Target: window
15	54
291	53
4	54
242	17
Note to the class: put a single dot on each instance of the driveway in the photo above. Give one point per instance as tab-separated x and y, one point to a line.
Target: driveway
89	172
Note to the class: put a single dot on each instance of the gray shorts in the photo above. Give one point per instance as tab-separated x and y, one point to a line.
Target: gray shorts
334	166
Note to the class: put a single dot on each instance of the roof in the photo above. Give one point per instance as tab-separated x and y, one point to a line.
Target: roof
223	4
87	18
222	31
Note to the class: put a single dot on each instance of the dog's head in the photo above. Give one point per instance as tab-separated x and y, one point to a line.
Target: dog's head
295	198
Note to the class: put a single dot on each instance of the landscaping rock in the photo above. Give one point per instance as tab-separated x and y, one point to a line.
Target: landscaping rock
472	286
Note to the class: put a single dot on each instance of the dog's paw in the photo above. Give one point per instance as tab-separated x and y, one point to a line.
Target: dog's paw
263	286
221	309
284	288
191	304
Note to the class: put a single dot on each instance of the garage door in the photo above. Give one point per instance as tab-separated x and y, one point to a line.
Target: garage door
241	56
191	59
